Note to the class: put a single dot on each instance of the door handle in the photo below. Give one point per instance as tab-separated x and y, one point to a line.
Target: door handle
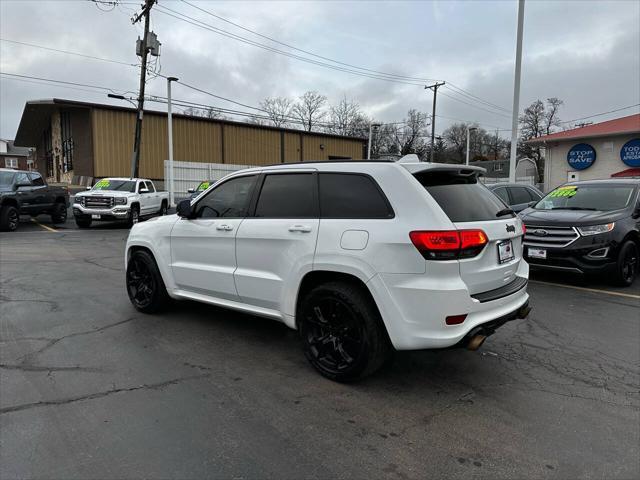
226	228
300	228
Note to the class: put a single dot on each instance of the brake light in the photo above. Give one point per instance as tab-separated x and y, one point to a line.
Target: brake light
455	319
524	228
449	244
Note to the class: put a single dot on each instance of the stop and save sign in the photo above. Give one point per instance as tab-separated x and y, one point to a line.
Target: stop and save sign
581	156
630	153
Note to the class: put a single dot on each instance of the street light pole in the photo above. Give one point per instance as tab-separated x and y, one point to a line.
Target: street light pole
516	95
170	133
372	126
468	135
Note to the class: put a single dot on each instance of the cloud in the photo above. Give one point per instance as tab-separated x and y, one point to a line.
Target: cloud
586	53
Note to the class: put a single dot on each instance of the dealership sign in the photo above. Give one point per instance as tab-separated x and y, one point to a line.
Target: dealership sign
581	156
630	153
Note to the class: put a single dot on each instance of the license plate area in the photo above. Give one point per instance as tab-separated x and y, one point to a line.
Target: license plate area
537	253
95	217
505	251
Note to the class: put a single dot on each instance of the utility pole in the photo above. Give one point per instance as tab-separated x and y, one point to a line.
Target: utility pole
135	157
516	95
433	87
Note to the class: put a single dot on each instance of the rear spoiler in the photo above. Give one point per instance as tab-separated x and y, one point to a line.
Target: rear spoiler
413	165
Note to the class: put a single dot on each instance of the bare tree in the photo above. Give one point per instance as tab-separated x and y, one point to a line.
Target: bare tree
310	109
209	112
279	110
535	122
456	138
551	114
345	117
409	137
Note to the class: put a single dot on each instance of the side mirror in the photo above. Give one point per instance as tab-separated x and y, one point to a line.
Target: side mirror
88	188
144	190
531	203
191	190
184	209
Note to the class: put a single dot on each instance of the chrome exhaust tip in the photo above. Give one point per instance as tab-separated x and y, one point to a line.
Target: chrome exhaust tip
476	342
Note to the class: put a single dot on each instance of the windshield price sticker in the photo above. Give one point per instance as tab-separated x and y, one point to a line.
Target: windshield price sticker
204	186
630	153
564	192
102	184
581	156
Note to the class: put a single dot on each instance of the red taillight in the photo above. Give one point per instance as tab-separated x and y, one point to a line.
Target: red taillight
449	244
455	319
524	229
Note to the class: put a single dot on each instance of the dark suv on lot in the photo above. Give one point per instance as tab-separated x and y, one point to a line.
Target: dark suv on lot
590	227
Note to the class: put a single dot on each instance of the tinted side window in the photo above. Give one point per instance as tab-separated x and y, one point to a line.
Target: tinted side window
288	195
520	195
351	196
150	186
36	179
503	194
534	195
231	199
22	179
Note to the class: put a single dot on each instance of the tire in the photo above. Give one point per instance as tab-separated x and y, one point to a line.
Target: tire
59	213
628	264
9	218
163	208
134	216
83	222
342	333
145	286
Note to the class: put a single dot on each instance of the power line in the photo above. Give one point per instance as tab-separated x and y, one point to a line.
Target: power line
57	81
92	57
392	75
199	23
474	106
603	113
465	93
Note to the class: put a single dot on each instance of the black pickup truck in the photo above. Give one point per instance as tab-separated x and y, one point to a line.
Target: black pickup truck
26	193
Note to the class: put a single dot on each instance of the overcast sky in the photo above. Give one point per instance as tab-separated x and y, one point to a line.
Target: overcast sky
586	53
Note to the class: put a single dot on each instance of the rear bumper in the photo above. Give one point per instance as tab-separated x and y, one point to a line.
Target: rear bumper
414	308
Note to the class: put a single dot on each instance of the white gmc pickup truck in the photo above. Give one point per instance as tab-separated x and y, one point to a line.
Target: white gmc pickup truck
126	199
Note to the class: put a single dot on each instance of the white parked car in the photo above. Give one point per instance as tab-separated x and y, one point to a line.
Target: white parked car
360	257
127	199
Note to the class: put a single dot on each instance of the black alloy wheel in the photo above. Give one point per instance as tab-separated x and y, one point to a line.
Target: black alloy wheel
334	334
9	218
59	214
145	287
342	333
628	263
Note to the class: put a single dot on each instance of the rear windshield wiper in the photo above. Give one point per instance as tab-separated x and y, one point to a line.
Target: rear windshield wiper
505	211
573	208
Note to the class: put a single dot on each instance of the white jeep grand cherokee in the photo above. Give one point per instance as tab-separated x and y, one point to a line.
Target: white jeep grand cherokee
360	257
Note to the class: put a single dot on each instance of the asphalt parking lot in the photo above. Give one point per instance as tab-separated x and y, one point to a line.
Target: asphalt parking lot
90	388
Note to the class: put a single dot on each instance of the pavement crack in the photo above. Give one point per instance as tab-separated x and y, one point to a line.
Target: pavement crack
45	368
25	359
94	262
106	393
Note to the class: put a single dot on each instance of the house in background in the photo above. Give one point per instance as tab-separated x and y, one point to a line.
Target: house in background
601	150
21	158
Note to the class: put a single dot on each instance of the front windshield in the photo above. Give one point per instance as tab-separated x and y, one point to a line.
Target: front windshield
587	197
6	178
118	185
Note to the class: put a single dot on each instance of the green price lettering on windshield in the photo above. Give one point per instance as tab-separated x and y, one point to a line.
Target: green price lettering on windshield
204	186
102	184
564	192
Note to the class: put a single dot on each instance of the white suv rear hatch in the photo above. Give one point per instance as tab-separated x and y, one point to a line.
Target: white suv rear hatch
470	205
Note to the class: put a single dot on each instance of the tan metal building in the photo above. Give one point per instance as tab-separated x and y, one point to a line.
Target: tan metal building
77	142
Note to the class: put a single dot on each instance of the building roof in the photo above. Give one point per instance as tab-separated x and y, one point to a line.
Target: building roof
629	172
36	118
618	126
13	151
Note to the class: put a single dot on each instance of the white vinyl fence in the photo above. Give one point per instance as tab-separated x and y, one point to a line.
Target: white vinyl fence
188	175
